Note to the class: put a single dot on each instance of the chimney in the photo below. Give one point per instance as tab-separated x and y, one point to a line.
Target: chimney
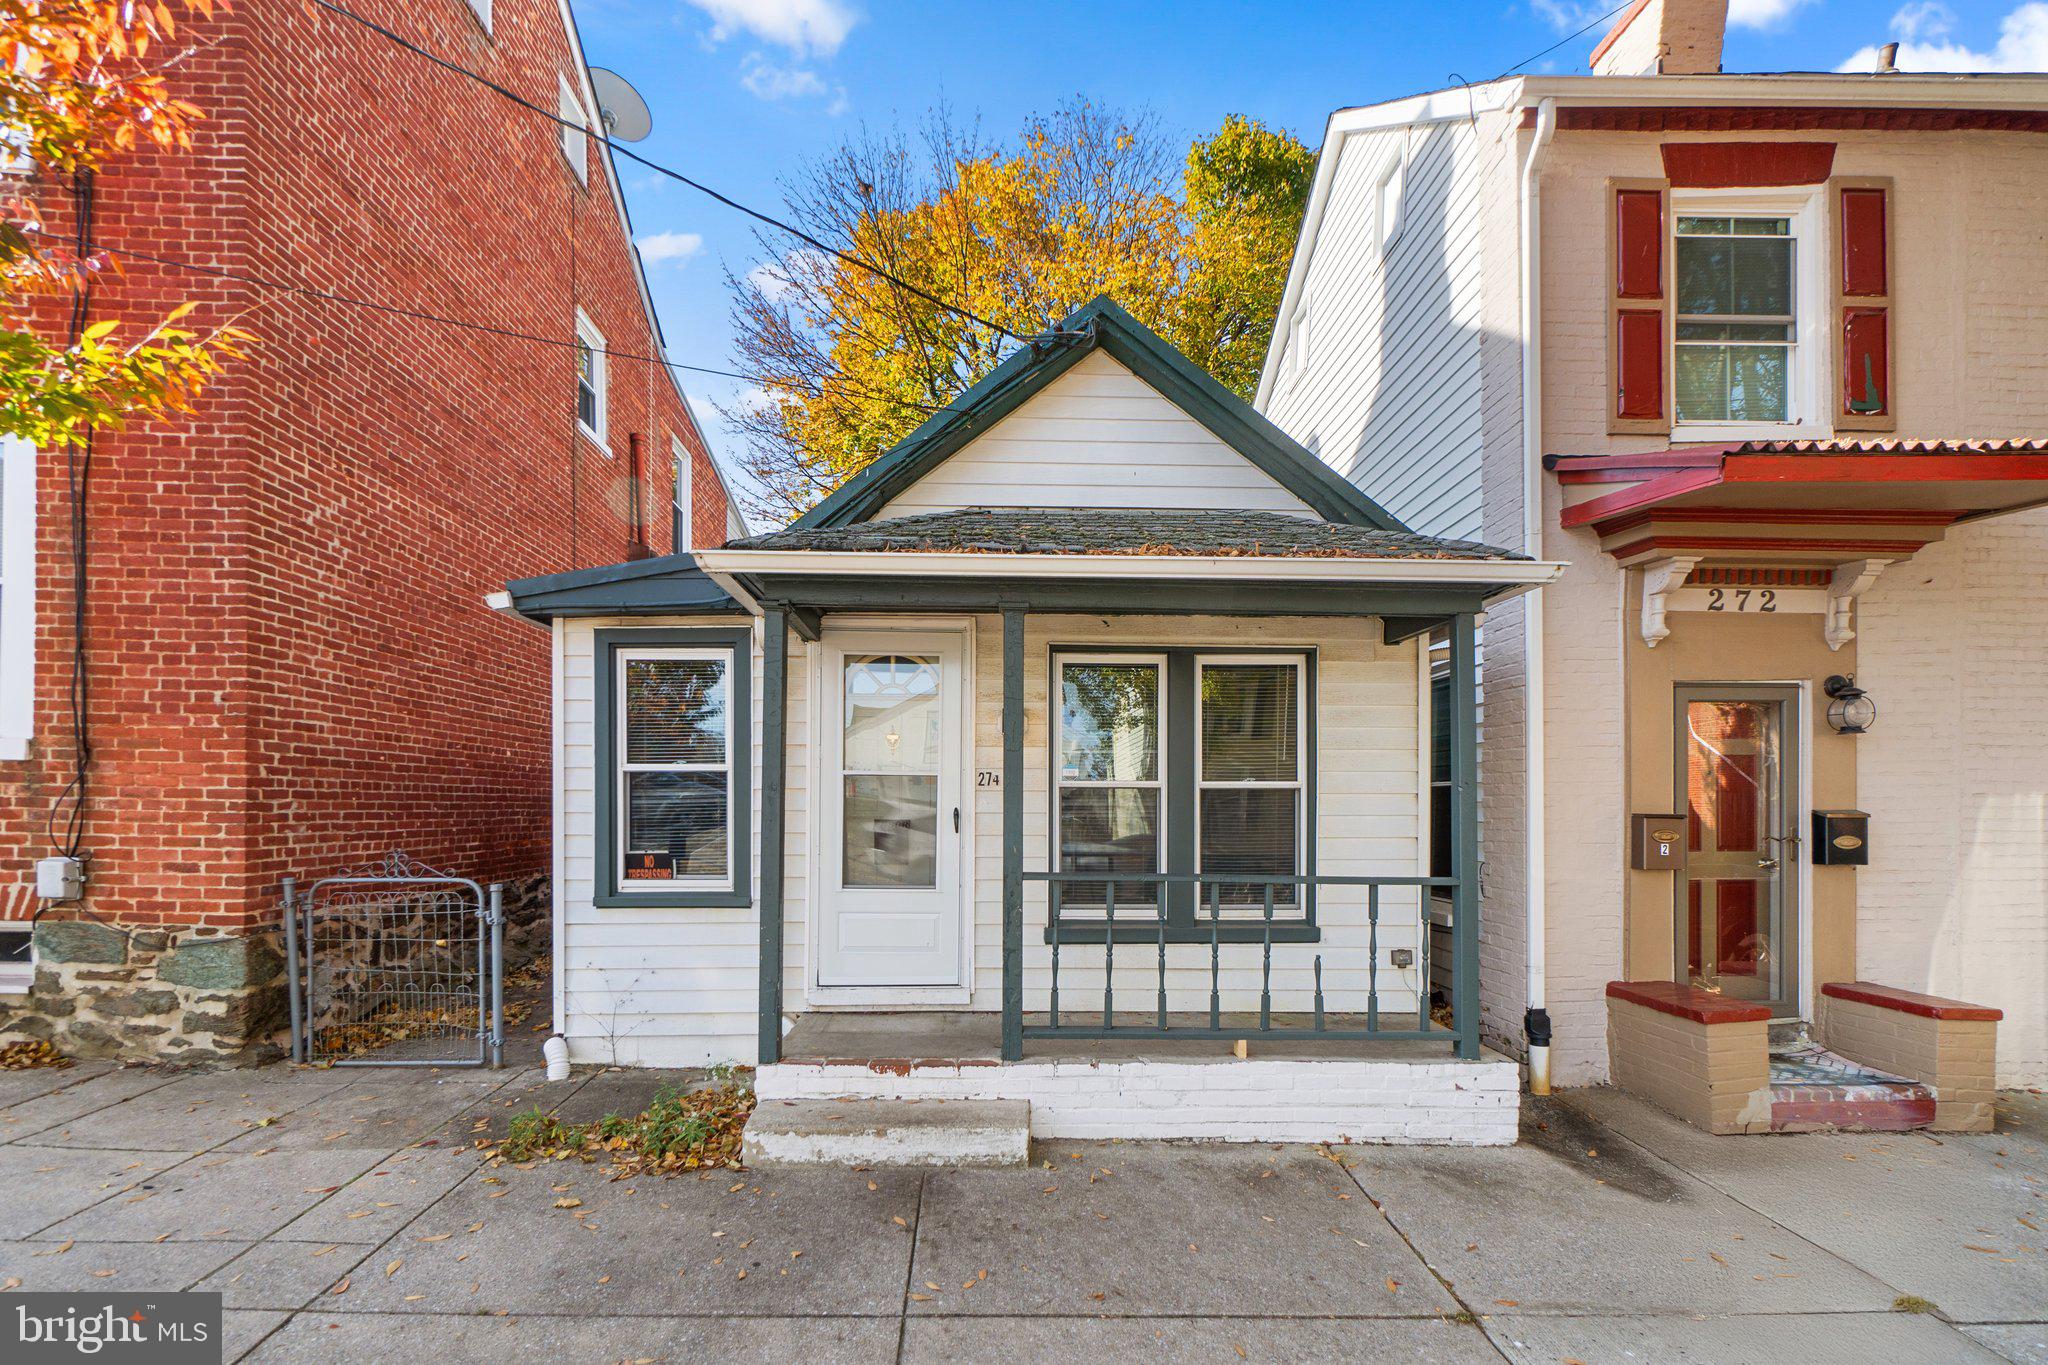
1664	37
1888	59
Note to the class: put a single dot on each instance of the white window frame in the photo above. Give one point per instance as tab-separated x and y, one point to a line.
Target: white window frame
600	376
683	534
482	10
1389	192
17	598
1299	786
622	661
575	130
1811	300
1299	329
1060	781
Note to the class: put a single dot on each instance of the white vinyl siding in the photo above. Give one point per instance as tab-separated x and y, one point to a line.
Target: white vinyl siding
1098	436
1390	396
657	986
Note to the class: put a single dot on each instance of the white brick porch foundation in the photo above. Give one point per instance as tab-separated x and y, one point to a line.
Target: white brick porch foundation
1442	1102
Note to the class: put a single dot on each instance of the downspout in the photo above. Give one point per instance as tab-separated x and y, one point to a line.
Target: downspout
1536	1022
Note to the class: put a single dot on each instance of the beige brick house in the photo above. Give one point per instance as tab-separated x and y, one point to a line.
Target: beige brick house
1760	357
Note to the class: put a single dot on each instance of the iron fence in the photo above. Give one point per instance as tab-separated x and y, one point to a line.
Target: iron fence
396	964
1221	913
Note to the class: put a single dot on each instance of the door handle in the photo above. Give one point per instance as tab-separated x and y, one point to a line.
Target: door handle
1766	862
956	819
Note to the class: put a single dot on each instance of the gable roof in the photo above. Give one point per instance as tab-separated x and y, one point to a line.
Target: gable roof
1099	325
671	585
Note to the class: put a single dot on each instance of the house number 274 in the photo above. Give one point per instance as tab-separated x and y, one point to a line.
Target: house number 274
988	777
1742	599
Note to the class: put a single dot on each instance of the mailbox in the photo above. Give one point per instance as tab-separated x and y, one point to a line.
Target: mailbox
1841	838
1657	843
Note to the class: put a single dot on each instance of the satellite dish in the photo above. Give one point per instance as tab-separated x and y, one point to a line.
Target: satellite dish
620	106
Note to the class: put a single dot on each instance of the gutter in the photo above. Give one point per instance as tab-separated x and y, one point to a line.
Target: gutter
1536	1021
501	602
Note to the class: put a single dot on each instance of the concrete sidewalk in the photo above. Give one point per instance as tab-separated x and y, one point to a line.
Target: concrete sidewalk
344	1216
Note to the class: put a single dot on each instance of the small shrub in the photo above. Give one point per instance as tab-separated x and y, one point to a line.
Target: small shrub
1913	1303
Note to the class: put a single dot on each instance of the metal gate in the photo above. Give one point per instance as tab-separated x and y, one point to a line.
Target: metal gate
396	964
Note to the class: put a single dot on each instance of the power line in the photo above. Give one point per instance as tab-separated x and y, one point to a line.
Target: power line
1535	56
420	315
619	149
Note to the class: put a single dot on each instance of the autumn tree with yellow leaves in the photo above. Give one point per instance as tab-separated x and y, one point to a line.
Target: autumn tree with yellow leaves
846	361
86	81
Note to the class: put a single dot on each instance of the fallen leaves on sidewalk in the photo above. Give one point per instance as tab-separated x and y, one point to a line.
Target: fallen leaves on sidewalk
31	1056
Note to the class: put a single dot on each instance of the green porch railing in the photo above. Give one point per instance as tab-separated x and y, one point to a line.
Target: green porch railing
1231	914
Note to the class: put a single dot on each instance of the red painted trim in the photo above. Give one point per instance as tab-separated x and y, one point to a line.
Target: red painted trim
1687	1002
1732	165
1877	468
1738	576
1795	516
1898	548
1909	1002
1645	494
1865	273
1613	34
1745	118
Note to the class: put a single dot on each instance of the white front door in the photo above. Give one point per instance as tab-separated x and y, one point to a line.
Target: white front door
892	908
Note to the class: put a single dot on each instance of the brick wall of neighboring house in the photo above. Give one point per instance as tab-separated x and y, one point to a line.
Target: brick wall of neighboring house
291	664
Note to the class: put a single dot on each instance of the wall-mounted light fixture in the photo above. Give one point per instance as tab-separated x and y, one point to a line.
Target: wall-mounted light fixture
1850	709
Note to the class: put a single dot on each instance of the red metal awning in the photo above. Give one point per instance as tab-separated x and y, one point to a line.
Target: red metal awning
1797	502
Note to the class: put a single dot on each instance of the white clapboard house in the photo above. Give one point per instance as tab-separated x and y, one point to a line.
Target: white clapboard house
1079	752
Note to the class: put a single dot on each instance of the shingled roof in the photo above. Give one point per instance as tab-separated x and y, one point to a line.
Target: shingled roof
1109	531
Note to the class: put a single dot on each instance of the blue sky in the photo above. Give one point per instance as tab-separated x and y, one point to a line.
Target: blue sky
744	91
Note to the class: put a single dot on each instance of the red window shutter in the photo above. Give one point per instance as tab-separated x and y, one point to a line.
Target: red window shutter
1638	307
1863	305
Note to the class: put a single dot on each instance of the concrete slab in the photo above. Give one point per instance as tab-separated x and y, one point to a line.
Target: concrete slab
489	1115
46	1185
1764	1339
1143	1229
195	1111
471	1340
385	1110
383	1199
944	1341
227	1196
2022	1134
889	1133
19	1086
61	1105
622	1090
1571	1222
135	1266
812	1241
2023	1343
241	1329
1923	1213
283	1275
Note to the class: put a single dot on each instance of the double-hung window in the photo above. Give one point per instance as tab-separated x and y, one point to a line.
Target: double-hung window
17	597
1110	773
1249	774
682	537
674	743
575	131
1183	763
592	379
1747	326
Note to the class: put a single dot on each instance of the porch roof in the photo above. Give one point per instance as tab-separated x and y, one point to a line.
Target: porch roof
1122	532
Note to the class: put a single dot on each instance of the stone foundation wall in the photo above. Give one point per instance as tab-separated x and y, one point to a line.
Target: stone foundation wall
200	995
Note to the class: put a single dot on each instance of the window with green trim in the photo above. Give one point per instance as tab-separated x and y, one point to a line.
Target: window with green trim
673	742
1183	762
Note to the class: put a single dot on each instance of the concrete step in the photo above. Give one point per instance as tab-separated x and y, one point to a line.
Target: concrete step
889	1133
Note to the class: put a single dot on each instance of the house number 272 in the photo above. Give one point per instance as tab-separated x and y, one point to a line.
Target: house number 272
1742	599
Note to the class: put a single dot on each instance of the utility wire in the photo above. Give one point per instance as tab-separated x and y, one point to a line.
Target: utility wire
620	149
1590	25
420	315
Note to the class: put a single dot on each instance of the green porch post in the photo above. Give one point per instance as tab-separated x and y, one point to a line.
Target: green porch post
1013	831
1465	834
774	698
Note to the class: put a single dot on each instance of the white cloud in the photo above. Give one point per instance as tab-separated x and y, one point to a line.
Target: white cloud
1923	19
805	27
1568	16
2022	46
771	82
774	278
1760	13
658	248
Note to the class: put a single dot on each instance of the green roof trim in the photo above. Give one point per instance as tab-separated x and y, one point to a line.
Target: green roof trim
665	585
1098	325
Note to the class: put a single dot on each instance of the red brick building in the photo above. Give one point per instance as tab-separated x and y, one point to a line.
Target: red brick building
290	664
